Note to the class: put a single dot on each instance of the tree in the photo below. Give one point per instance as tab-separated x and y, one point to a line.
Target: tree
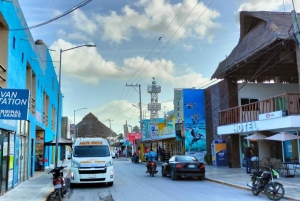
120	136
136	129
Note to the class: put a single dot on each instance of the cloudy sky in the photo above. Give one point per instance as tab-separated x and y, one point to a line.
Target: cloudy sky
179	42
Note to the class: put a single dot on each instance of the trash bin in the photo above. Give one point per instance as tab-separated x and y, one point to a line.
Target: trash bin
219	153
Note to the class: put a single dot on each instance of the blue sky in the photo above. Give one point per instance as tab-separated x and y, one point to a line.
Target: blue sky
195	37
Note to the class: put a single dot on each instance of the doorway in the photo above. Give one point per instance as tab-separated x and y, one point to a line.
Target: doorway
243	146
4	158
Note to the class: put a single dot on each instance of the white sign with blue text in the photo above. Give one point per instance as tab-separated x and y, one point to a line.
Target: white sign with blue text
14	103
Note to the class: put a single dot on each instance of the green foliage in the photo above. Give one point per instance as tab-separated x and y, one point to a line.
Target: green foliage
208	158
120	136
136	129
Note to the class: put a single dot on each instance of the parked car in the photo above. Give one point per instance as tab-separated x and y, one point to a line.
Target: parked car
183	166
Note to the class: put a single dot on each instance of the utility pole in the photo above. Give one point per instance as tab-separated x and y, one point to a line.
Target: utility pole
140	103
296	25
109	129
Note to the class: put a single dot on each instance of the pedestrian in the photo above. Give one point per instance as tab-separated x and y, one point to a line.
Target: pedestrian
41	162
248	155
116	153
159	152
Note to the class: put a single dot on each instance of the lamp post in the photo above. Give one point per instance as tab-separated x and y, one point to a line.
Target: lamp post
75	132
58	101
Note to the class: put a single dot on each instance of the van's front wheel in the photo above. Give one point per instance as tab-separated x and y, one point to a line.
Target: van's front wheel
111	183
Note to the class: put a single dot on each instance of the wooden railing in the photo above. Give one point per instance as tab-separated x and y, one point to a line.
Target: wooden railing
289	102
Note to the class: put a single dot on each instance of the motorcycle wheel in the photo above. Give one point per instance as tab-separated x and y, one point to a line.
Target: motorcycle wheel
254	190
275	191
61	192
58	194
152	171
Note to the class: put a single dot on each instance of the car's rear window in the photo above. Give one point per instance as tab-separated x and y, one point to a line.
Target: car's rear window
185	158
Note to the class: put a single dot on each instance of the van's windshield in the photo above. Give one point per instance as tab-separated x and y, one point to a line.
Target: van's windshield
91	151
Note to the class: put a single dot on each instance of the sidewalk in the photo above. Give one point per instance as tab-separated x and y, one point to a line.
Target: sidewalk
237	177
37	188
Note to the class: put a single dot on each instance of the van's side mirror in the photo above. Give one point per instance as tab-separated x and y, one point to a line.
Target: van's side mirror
69	156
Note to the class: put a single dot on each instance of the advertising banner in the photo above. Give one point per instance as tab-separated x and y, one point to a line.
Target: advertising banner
14	103
133	136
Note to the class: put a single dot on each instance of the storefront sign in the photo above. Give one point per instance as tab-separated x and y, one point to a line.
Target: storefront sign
14	103
271	115
133	136
244	127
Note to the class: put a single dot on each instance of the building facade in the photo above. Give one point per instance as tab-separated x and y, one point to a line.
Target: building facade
260	90
25	64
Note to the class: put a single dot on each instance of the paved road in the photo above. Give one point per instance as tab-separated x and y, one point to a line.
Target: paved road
132	183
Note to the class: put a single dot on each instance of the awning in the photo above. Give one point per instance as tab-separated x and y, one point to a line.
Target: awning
61	142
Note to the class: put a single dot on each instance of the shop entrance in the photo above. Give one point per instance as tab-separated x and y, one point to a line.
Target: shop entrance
243	146
4	158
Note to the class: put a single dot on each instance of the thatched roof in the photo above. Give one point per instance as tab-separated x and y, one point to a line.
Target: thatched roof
259	32
90	126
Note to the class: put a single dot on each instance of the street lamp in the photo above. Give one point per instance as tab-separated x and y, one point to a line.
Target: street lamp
75	133
58	101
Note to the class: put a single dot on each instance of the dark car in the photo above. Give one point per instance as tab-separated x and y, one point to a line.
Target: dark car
183	166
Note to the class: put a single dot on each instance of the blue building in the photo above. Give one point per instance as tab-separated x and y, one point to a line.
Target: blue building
25	64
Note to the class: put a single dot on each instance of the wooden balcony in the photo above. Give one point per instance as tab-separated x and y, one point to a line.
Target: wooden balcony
250	112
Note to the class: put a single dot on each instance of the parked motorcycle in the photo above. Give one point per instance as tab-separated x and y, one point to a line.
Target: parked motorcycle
59	182
264	181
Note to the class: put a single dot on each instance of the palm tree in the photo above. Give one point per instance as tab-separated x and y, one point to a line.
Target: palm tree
120	136
136	129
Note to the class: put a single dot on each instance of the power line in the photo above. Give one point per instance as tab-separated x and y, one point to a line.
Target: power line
49	21
153	47
181	37
168	42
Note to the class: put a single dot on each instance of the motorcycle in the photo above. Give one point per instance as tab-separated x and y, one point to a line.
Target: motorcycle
264	181
135	159
59	182
152	168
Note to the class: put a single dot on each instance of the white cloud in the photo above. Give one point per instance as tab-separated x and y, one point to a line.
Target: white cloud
188	47
259	5
83	23
270	5
87	65
155	17
78	36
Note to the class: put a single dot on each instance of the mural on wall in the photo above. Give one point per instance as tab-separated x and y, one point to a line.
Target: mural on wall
194	123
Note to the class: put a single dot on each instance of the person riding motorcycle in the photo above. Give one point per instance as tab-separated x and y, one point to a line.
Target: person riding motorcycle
150	156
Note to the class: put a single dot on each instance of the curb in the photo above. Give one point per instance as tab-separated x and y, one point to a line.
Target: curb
242	187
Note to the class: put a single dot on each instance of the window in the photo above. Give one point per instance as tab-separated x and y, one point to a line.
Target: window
14	43
91	151
22	58
247	101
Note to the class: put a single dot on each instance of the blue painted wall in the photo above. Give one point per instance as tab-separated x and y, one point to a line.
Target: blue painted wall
194	123
38	57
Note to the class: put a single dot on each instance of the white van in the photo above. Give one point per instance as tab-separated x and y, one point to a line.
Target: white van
91	162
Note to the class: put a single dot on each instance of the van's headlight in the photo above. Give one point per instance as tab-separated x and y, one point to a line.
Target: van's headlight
74	164
109	163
